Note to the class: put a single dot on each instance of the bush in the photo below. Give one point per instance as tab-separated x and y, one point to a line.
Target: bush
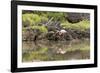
31	19
44	19
81	26
41	28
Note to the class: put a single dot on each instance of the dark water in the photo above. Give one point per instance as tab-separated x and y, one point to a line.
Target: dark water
51	51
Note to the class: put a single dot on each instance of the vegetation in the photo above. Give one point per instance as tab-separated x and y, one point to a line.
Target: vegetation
81	26
40	28
49	36
30	19
45	22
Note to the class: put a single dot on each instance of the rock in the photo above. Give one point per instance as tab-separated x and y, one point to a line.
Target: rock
77	17
85	16
74	17
50	36
27	35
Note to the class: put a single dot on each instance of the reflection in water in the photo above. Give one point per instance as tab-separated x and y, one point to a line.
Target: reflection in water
51	50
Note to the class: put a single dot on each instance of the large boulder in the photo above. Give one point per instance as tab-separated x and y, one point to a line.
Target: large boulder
77	17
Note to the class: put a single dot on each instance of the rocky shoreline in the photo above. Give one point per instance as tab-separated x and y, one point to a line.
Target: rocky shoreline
69	34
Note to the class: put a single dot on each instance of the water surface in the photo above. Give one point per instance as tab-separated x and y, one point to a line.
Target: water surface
55	50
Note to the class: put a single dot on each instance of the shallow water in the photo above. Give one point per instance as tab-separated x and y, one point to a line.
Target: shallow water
51	51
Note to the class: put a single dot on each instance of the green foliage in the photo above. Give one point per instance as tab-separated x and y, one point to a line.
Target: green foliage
81	26
57	16
31	19
35	18
41	28
44	19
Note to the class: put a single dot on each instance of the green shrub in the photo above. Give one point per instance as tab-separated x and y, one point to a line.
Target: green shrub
82	26
31	19
44	19
56	16
41	28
